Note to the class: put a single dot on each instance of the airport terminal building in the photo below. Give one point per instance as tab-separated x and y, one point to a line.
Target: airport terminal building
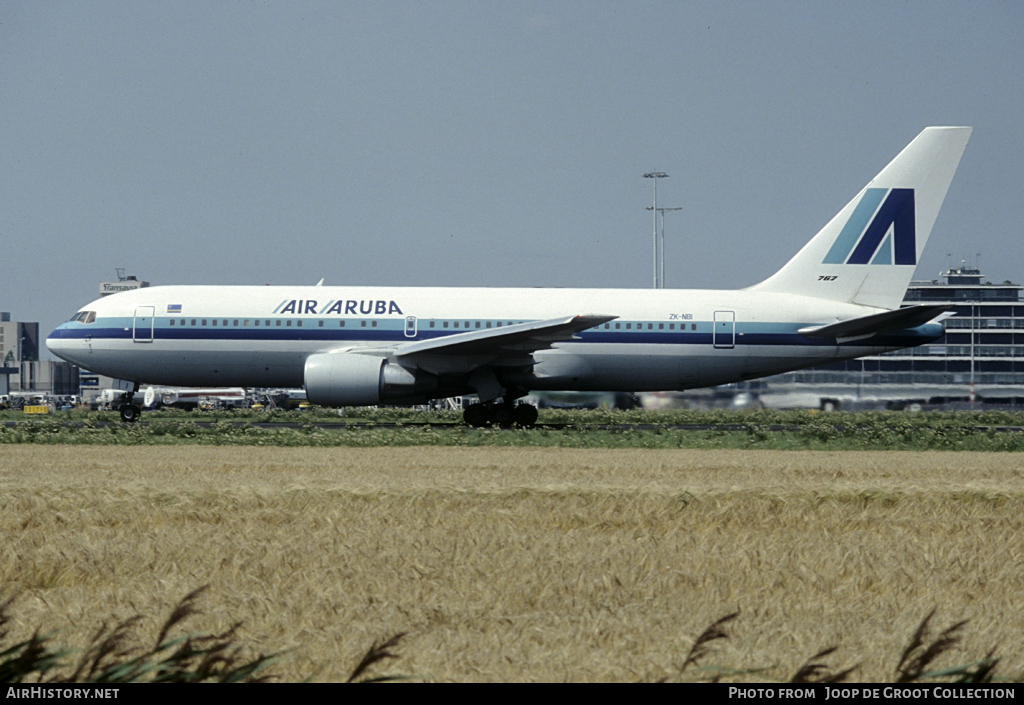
980	357
21	370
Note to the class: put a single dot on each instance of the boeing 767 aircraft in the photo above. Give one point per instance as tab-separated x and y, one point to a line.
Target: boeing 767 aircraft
838	298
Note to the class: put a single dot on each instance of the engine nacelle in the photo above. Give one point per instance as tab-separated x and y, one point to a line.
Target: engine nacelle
348	379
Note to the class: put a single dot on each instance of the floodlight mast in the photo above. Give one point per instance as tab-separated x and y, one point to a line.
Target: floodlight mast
655	175
661	243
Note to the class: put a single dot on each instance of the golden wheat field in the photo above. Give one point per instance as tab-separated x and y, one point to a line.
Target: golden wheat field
523	564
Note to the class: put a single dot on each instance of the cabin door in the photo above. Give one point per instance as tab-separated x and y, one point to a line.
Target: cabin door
724	333
142	332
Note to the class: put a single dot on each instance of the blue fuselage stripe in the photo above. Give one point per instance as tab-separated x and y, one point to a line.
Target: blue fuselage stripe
393	331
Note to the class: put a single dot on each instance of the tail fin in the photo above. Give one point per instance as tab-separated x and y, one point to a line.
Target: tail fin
867	254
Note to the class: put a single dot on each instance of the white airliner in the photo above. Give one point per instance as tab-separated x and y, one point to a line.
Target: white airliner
838	298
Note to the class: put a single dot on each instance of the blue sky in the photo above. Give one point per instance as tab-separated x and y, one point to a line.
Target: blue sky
482	143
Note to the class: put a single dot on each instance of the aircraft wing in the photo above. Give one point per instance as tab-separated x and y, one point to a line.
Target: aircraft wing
866	326
515	339
474	353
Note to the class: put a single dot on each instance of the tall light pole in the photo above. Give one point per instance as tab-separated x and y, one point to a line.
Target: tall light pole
655	175
973	323
661	243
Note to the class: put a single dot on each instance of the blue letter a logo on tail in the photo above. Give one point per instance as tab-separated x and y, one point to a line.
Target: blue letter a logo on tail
880	231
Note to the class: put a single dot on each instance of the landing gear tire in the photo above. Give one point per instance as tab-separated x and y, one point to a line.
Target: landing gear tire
502	414
475	415
525	415
130	413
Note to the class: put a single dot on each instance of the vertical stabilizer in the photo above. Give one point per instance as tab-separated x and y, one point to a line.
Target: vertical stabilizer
867	254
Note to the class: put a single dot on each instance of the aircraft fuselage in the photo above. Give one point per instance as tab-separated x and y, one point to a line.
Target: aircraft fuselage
261	336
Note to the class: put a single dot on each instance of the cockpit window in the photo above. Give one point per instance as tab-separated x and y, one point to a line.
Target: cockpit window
85	317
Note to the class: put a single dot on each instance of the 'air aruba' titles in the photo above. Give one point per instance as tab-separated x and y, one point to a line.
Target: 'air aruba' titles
340	307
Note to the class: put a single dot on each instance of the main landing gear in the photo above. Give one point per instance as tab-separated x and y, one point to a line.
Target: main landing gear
506	415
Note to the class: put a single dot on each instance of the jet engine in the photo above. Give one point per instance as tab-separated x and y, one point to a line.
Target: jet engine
349	379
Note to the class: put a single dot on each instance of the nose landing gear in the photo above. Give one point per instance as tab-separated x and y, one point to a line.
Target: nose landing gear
130	412
506	415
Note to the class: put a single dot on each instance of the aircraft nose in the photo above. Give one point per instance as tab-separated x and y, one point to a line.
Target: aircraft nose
53	341
57	343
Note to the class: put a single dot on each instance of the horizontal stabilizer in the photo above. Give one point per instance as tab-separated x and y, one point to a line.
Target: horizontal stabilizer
866	326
